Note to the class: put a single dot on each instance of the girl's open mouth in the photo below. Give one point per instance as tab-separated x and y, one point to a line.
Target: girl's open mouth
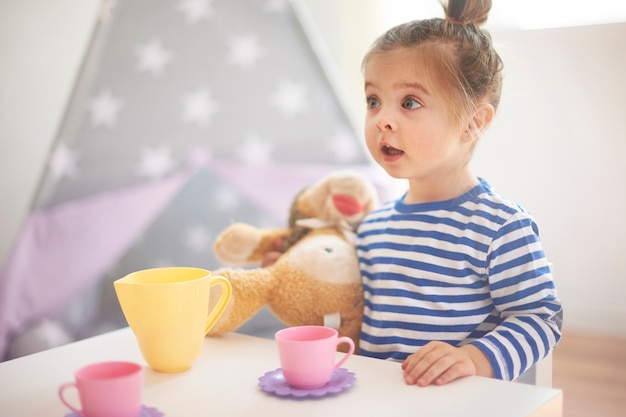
388	150
390	153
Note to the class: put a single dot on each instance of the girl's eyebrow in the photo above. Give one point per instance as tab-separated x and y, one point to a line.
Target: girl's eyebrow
415	86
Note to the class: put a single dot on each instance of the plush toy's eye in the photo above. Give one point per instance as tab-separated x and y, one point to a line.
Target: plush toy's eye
328	250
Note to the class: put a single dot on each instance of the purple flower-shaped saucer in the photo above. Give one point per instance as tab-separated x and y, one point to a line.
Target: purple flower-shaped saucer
145	412
274	382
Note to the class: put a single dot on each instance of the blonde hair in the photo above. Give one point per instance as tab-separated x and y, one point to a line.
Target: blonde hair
459	53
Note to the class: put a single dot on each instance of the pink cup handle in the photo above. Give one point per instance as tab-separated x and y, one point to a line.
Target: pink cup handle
345	339
62	388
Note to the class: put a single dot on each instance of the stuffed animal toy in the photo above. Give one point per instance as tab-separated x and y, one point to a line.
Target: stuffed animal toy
316	279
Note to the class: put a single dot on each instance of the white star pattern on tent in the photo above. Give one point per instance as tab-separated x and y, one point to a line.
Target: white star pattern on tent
63	162
245	51
104	108
197	238
343	146
290	98
198	107
155	162
152	57
255	151
196	10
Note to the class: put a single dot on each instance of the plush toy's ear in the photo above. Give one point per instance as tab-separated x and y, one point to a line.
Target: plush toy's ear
242	244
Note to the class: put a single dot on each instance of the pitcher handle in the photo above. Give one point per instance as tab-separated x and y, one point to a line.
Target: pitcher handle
221	304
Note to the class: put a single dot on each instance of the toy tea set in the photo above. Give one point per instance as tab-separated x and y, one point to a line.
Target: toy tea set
313	287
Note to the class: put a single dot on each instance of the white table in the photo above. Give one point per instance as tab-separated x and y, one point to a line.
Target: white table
224	382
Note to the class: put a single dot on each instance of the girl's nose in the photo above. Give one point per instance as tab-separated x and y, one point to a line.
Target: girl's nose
384	122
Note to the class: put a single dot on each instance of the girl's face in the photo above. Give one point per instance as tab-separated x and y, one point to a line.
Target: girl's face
409	128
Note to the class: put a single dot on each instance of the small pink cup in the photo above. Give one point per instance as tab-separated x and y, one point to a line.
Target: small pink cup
107	389
308	353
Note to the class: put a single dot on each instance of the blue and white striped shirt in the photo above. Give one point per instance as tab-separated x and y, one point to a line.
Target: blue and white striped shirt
467	270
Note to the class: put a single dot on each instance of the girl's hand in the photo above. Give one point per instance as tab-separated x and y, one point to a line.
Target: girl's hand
440	363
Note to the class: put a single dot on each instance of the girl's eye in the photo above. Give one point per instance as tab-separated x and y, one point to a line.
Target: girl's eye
410	103
372	102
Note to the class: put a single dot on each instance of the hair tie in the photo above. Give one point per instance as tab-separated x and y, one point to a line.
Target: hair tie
453	20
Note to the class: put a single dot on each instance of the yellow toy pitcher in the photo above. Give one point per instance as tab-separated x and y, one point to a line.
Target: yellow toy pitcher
168	311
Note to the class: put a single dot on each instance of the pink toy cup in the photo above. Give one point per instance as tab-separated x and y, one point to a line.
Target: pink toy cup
107	389
308	354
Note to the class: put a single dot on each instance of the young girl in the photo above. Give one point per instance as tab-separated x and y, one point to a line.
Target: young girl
456	281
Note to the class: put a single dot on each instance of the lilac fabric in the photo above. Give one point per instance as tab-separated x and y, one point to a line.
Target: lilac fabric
63	249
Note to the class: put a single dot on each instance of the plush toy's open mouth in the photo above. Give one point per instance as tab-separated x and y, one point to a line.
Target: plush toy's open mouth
346	204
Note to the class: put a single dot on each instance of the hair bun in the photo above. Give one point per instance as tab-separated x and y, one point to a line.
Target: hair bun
465	12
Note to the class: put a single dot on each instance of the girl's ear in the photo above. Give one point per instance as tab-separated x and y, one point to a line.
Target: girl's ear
480	121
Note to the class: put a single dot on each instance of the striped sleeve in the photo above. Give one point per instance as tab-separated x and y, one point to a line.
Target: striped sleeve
522	290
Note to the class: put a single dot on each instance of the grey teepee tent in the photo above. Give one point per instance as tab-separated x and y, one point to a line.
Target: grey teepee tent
187	115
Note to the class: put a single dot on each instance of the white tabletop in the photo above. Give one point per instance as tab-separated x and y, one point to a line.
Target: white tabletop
224	382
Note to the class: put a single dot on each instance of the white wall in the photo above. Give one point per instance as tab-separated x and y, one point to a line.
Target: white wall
42	44
558	145
559	148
